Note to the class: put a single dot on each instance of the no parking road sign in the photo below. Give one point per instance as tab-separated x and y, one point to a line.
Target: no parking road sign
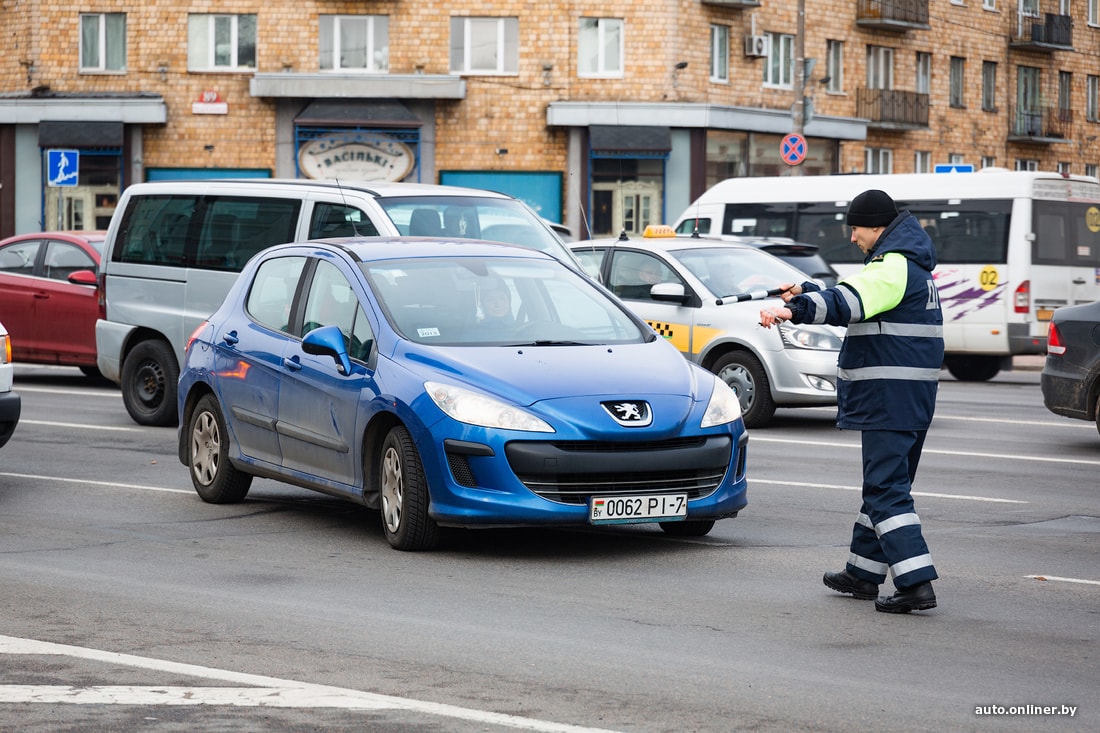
793	149
62	167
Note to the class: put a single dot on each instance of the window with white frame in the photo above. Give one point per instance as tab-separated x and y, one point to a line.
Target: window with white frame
103	42
221	42
600	47
922	161
1064	167
989	86
956	159
1027	164
989	161
779	68
957	93
1092	98
880	67
1091	169
1029	8
355	42
720	53
878	160
1094	12
484	45
989	4
834	66
924	73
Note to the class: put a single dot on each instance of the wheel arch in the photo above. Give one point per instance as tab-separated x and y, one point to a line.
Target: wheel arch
197	392
373	436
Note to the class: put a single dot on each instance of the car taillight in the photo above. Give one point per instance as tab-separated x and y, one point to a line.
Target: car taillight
1054	341
5	350
1022	300
194	335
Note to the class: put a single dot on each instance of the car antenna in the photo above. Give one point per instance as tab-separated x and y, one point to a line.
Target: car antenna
354	229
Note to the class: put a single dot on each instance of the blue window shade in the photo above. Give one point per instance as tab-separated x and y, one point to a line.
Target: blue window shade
203	174
540	191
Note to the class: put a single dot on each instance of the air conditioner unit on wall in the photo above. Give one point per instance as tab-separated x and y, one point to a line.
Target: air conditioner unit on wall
756	45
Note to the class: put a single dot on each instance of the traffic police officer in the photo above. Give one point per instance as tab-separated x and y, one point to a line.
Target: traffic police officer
888	374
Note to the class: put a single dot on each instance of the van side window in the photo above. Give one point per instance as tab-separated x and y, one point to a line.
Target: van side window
272	292
154	230
337	220
236	227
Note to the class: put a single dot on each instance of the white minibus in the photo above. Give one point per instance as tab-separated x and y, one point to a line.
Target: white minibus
1012	245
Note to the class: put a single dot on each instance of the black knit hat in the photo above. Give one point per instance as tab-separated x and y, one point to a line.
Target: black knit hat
872	208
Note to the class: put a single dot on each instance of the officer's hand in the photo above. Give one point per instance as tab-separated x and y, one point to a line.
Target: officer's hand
789	291
768	316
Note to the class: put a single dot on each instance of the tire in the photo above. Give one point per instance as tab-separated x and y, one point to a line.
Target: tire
213	476
745	375
688	527
404	494
1098	414
149	377
972	368
91	372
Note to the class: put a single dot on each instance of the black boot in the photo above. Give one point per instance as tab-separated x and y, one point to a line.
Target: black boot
918	598
844	582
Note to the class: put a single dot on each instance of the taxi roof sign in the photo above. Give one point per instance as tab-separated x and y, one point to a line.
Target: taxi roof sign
654	231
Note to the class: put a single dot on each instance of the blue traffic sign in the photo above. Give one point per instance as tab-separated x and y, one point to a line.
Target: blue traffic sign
954	168
62	167
793	149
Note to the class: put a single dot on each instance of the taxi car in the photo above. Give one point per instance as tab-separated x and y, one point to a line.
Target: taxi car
369	369
681	286
9	400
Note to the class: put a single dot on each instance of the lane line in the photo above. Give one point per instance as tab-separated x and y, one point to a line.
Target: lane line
941	452
859	488
112	484
1063	580
304	692
50	424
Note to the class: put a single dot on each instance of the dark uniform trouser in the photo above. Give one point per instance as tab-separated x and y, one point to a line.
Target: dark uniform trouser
887	534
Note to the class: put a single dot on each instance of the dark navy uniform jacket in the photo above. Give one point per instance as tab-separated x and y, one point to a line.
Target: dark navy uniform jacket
889	365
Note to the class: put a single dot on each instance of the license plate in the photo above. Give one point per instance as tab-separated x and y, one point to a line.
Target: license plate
1044	314
627	509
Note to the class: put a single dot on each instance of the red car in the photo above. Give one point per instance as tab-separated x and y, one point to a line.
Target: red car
49	299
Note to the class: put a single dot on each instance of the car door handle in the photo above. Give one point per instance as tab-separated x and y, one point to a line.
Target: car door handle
293	363
231	338
1078	281
45	296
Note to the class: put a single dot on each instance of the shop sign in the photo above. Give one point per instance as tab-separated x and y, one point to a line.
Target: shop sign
210	103
362	156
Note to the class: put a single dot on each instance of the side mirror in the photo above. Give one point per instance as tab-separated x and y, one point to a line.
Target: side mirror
328	341
668	293
83	277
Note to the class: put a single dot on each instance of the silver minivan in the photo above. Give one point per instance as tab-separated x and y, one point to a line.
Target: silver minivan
174	248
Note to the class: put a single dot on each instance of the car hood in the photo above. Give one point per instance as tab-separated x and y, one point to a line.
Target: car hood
525	375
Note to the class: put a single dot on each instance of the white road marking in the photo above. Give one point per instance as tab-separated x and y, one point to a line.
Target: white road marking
261	690
112	484
971	454
81	392
1063	580
816	485
78	426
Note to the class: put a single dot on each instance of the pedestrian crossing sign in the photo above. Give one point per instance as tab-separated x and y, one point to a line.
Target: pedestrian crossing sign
62	167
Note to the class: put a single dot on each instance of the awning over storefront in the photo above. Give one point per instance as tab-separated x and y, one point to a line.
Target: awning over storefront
52	134
357	112
624	139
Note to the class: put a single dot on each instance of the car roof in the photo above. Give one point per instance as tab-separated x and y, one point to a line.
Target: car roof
378	189
93	235
659	239
382	248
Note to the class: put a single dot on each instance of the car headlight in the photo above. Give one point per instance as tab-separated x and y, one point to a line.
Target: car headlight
723	406
477	409
802	337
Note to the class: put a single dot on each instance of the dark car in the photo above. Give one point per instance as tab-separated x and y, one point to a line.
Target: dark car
805	257
49	298
1071	376
454	384
9	400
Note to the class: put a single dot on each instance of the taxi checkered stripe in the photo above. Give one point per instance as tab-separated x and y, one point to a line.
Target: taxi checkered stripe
664	330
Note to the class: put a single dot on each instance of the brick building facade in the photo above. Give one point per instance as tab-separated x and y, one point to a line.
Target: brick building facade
601	115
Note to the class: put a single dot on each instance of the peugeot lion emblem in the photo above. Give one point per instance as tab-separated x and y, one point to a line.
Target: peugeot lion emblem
629	413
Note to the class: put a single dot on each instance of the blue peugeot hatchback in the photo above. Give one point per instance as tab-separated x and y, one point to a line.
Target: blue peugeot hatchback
454	385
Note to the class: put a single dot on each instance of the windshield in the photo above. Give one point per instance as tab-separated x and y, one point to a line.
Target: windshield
505	300
474	217
730	270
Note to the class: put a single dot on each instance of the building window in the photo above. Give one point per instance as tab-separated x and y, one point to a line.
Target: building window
355	42
1091	169
880	67
221	42
878	160
103	42
834	66
924	73
989	86
989	4
989	161
1029	8
779	69
1092	99
956	159
1064	167
719	53
958	82
1027	164
1094	12
922	161
1065	95
484	45
600	47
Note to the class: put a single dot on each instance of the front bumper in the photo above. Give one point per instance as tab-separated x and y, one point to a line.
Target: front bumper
10	407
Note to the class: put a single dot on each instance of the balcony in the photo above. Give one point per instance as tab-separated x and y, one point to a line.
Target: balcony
892	109
1039	125
1053	33
893	15
733	3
